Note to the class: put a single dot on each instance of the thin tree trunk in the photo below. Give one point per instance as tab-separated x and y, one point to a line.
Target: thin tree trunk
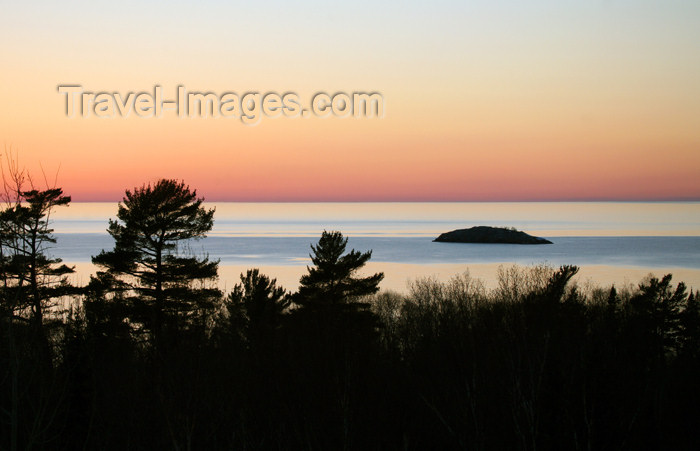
158	323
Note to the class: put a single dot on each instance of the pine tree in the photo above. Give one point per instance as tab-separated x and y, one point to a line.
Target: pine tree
146	269
330	295
332	280
31	278
256	306
690	325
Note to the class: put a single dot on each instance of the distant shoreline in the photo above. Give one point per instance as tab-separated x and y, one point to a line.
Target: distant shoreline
398	274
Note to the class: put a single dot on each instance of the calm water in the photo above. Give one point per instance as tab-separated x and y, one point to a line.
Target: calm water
650	252
423	219
660	234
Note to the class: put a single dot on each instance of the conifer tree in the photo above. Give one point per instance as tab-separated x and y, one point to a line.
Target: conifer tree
256	305
31	278
146	268
330	295
332	279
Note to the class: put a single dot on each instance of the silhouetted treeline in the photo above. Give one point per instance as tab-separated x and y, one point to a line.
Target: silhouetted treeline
150	355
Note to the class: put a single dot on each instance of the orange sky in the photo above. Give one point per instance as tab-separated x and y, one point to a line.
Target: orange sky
483	101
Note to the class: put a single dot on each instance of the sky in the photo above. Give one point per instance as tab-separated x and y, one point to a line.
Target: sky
483	100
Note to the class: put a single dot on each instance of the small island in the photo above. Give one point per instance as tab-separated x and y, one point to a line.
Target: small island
484	234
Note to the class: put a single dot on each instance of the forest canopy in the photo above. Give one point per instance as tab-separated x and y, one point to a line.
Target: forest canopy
151	354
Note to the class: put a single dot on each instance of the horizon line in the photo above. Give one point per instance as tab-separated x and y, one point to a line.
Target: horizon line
405	201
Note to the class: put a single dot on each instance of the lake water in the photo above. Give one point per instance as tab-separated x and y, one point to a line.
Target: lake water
423	219
644	236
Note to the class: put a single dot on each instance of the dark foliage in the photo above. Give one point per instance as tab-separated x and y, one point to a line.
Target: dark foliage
30	278
255	308
332	278
147	270
537	363
331	313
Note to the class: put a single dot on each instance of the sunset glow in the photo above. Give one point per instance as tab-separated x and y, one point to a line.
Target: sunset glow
492	102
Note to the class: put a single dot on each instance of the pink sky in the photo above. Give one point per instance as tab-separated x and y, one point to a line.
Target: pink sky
482	101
